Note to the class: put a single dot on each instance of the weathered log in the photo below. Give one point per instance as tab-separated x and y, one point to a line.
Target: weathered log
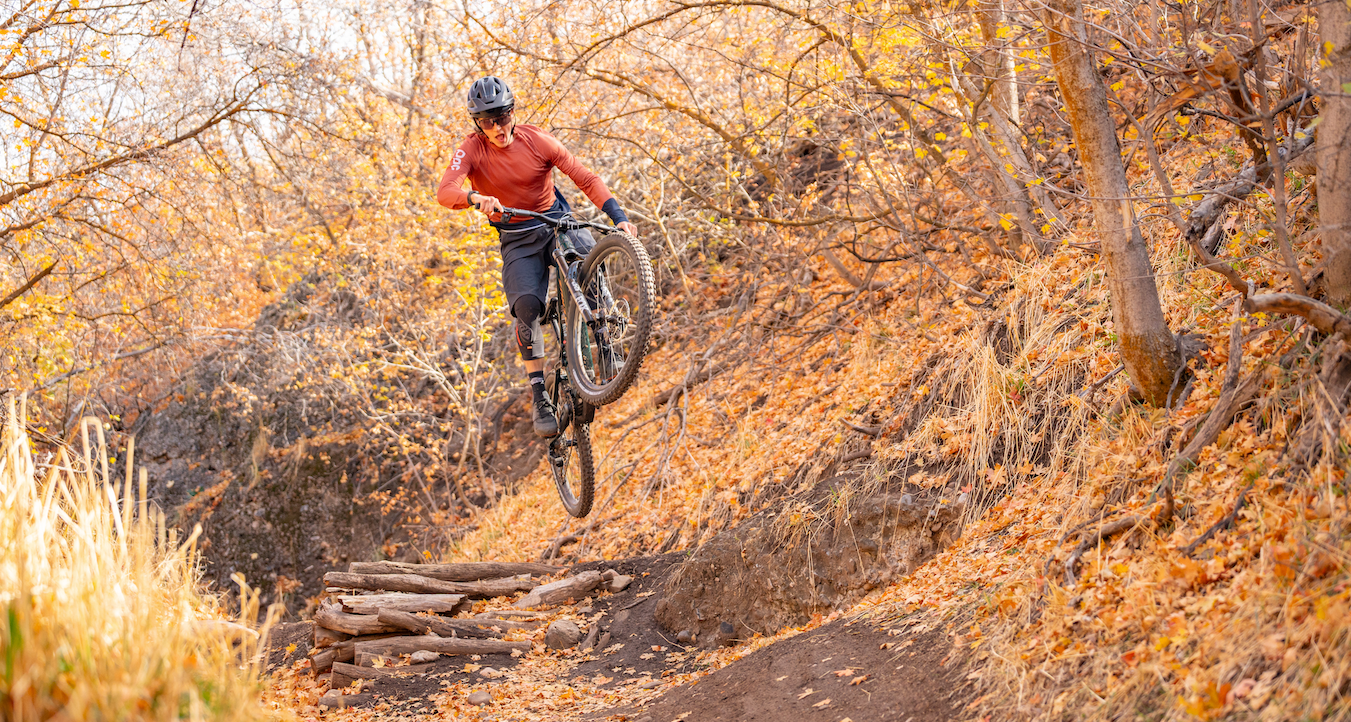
329	617
390	582
462	572
555	593
321	660
510	614
505	624
336	700
345	674
426	585
373	603
488	588
324	637
440	627
407	645
366	659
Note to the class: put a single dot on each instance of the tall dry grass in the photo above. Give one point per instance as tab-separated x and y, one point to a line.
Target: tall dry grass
103	613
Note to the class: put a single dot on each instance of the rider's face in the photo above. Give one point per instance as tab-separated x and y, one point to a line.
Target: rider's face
499	129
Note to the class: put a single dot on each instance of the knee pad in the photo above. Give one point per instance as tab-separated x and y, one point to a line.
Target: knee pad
529	335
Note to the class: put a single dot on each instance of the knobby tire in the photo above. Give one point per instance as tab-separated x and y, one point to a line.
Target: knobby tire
638	288
575	475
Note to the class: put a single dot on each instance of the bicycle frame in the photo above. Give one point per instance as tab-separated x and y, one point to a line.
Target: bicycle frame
566	258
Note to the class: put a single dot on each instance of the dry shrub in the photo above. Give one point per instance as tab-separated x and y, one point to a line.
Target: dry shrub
104	617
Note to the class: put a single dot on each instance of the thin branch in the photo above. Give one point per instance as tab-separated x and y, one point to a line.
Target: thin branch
21	290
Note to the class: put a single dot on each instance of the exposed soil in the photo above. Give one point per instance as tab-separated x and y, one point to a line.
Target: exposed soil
280	639
809	553
842	670
628	653
412	694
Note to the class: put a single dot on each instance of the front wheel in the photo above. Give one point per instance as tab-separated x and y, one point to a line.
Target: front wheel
604	355
569	453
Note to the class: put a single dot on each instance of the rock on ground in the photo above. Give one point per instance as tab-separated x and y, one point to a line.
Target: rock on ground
562	634
480	697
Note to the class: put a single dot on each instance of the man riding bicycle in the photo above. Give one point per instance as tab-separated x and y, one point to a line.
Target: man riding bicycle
510	165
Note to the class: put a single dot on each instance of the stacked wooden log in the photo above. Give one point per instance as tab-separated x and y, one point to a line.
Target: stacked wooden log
379	610
380	613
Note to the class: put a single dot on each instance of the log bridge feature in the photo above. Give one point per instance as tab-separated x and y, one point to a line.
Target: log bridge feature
379	612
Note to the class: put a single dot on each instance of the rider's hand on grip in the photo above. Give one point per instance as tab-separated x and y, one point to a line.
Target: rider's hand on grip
488	204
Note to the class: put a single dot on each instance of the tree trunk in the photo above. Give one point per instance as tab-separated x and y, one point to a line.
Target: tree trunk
1334	152
998	61
1148	348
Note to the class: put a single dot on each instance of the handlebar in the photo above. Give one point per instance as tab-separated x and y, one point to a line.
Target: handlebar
565	223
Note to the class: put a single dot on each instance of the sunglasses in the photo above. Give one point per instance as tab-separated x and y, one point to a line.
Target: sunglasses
496	121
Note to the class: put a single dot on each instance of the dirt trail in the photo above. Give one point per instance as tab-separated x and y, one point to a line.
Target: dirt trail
844	669
841	670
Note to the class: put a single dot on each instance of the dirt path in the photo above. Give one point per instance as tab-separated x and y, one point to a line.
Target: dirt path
638	672
841	671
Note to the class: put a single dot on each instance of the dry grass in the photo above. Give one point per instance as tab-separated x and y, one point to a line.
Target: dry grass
104	617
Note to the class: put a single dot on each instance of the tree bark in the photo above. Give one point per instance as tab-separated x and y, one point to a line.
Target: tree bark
407	645
321	660
344	674
1334	151
373	603
1148	349
324	637
558	592
462	572
998	62
330	617
480	629
426	585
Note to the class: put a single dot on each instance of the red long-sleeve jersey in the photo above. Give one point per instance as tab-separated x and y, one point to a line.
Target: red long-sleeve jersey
517	175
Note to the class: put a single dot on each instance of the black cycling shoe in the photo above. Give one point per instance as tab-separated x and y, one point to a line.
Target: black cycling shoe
546	424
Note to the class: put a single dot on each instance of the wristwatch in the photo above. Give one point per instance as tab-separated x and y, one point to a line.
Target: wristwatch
470	197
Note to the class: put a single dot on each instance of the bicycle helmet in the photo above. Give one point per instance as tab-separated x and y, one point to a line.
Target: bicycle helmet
490	96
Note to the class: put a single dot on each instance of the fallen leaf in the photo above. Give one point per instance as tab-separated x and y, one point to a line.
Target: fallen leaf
804	694
858	680
822	703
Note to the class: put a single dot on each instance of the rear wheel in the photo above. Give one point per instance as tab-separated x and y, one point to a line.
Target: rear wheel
604	355
569	453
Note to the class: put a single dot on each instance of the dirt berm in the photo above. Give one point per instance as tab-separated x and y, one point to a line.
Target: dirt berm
810	553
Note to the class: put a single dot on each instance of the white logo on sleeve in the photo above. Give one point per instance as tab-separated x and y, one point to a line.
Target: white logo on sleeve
459	156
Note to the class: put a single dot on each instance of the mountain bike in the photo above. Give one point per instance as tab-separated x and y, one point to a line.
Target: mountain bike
601	309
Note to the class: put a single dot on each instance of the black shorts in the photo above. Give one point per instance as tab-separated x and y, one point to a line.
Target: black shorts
527	257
